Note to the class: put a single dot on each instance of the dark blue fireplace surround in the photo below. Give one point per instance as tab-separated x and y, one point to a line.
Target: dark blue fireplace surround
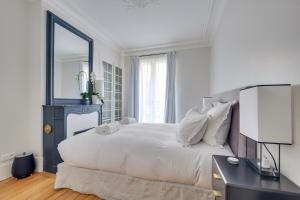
55	129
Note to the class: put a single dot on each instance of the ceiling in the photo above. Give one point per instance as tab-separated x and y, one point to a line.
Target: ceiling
163	22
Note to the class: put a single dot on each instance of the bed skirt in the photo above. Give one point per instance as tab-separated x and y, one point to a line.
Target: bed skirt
113	186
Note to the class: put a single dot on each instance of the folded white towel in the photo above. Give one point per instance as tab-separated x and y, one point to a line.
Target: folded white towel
102	130
128	120
107	129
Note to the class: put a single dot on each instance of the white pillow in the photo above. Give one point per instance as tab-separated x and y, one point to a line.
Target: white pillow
192	128
194	109
107	129
207	103
219	119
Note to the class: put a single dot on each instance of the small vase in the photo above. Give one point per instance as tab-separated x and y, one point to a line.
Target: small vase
95	99
85	101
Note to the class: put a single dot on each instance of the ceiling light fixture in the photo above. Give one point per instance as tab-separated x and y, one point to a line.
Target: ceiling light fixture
138	3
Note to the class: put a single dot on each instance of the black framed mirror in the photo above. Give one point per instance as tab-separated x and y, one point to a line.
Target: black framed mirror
69	62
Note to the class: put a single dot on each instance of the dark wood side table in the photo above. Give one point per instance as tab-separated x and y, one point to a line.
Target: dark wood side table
241	182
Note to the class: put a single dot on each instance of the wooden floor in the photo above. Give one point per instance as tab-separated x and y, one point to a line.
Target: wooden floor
38	186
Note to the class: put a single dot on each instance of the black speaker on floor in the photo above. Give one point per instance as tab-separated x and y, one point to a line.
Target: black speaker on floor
23	165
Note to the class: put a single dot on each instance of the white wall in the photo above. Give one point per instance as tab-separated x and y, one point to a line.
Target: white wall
36	82
192	79
258	42
16	52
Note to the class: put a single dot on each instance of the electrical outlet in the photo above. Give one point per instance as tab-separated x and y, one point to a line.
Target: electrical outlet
7	157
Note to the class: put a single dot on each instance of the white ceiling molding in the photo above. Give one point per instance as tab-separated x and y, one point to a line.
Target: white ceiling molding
73	13
216	13
91	22
167	48
76	19
205	30
134	32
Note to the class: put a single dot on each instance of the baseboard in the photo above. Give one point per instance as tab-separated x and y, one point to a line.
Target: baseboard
39	163
5	170
5	167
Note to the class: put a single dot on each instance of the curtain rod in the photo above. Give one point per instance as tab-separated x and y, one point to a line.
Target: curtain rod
155	54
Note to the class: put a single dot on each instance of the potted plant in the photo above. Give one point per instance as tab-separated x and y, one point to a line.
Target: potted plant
85	98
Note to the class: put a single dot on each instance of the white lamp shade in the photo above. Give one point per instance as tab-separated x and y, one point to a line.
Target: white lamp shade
99	86
266	113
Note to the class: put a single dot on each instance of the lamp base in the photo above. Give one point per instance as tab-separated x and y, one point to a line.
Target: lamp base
266	173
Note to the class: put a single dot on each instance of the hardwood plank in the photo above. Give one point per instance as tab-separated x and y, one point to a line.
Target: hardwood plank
29	192
69	195
45	194
6	181
19	186
92	197
39	186
48	175
11	183
82	197
58	194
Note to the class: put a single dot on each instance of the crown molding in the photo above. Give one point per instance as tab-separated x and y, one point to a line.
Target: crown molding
216	12
213	19
91	21
176	46
71	14
205	29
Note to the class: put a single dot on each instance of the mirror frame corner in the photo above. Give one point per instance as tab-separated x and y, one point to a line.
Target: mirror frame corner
52	19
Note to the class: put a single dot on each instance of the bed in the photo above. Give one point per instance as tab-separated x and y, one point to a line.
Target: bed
115	168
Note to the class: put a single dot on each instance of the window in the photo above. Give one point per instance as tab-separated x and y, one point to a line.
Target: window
108	91
118	93
152	88
112	108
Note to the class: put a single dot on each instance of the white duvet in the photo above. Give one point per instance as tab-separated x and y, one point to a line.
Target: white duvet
148	151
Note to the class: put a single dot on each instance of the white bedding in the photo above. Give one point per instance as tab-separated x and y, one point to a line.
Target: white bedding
148	151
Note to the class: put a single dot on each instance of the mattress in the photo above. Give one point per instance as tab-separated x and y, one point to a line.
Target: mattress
148	151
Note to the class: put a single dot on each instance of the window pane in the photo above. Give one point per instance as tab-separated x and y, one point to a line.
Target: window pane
106	114
152	88
118	94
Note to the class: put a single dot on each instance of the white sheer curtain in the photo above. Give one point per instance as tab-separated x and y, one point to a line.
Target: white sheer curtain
152	88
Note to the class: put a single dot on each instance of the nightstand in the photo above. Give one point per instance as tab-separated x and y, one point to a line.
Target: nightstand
241	182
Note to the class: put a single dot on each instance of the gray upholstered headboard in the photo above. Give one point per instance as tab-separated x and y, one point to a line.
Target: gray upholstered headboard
236	141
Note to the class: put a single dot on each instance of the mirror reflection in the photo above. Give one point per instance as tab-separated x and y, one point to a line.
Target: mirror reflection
71	64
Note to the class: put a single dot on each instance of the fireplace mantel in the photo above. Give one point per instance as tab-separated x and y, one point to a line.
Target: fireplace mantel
55	123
